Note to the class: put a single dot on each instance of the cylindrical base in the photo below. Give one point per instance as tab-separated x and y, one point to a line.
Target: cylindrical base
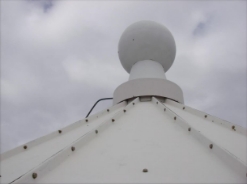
148	87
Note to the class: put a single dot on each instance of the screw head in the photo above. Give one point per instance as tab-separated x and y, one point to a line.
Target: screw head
124	110
175	118
25	146
72	148
157	102
86	120
211	146
144	170
206	116
189	129
60	131
96	131
34	175
183	107
113	120
108	110
133	103
233	127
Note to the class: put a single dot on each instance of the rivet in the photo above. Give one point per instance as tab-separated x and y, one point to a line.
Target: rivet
164	109
113	120
211	146
157	102
96	131
205	116
133	103
72	148
34	175
108	110
233	127
144	170
183	107
86	120
175	118
25	146
60	131
124	110
189	129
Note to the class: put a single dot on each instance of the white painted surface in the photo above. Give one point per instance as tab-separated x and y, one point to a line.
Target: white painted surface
145	137
147	69
209	117
233	141
53	161
17	162
146	40
55	134
148	87
227	157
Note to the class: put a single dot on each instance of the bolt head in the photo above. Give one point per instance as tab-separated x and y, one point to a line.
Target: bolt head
113	120
34	175
72	148
211	146
144	170
205	116
124	110
60	131
189	129
25	146
183	107
108	110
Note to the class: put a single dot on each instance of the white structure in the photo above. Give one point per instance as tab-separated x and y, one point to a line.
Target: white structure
147	50
147	136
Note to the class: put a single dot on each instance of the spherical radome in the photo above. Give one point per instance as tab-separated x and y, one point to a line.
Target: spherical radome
146	40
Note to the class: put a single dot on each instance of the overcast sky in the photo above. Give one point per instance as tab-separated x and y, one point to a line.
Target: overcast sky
59	57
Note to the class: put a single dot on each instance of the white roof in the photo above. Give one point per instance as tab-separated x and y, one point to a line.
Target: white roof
173	142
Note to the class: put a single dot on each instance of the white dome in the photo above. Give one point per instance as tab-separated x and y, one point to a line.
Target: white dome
146	40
